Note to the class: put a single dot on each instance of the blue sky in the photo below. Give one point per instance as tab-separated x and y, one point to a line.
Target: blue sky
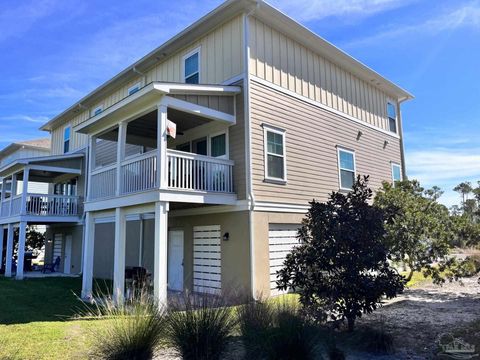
52	52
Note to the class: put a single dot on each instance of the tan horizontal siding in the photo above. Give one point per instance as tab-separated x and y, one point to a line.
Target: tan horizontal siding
313	135
282	61
237	149
221	53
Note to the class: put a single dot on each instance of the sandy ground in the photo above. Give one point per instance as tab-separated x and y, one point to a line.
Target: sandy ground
416	319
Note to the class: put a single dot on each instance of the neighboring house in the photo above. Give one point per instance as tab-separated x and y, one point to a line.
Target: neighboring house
268	116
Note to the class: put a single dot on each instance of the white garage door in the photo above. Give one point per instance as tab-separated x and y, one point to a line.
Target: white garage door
207	264
282	238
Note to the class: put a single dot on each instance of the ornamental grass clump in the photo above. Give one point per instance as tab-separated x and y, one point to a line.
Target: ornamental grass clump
200	326
131	330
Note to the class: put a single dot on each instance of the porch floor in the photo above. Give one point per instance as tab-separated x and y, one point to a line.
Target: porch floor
39	275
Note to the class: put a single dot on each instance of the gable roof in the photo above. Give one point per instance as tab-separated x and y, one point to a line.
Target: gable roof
38	144
216	17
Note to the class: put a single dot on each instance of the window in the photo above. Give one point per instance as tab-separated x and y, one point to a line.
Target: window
184	147
275	159
66	139
97	110
346	166
192	67
133	89
218	145
199	146
392	117
396	173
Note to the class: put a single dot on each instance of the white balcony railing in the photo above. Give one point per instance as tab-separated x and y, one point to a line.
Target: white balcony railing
42	205
186	171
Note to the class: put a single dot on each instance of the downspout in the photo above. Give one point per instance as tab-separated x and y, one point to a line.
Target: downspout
248	148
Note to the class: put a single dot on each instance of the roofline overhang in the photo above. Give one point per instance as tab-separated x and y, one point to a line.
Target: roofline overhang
15	146
22	163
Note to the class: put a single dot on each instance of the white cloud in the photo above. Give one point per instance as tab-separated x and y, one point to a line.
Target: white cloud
307	10
28	118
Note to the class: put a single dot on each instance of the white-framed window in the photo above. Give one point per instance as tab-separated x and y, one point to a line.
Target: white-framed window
191	67
66	139
396	173
97	110
392	117
275	153
134	88
218	145
346	168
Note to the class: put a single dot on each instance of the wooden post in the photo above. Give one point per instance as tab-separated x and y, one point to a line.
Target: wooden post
26	174
13	192
9	253
88	253
21	249
119	256
162	167
160	252
122	139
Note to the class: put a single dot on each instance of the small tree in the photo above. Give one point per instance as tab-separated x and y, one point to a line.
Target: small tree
418	228
341	262
464	189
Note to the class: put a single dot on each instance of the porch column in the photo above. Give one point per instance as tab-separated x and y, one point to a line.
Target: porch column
9	253
91	162
122	139
2	232
87	279
119	256
26	173
21	249
162	167
160	252
13	192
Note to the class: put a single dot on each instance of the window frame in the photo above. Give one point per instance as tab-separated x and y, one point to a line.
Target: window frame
134	88
69	127
343	149
391	102
215	134
392	165
283	132
97	110
185	57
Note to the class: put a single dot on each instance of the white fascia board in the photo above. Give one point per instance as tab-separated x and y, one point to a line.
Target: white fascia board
196	109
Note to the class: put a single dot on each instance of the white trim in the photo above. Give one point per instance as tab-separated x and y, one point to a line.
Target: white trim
225	132
234	79
266	206
199	110
69	127
393	103
104	220
134	88
393	164
340	148
188	55
266	129
323	106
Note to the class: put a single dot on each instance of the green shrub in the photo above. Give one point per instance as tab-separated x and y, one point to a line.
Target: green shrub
132	330
377	340
470	266
200	326
276	331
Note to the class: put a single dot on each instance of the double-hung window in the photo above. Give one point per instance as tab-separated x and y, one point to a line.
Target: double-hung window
66	139
133	89
191	64
392	117
396	173
275	157
346	167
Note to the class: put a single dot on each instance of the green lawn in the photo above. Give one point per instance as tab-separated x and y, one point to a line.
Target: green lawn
37	319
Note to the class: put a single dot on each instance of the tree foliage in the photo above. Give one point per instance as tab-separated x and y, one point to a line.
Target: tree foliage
418	228
341	262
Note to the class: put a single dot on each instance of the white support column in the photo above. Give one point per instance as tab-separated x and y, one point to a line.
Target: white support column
26	174
122	139
160	252
9	253
21	249
88	253
119	256
2	232
162	166
92	141
13	192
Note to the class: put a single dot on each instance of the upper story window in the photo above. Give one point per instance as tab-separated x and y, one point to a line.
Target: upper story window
392	117
346	168
97	110
218	145
191	64
133	89
275	157
66	139
396	173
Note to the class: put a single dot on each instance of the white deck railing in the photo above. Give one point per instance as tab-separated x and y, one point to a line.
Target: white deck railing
104	182
42	205
188	171
139	173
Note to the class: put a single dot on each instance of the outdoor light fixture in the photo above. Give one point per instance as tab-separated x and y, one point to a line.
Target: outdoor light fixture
226	236
385	144
359	135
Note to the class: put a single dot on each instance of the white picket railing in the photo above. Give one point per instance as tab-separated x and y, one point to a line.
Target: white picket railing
5	209
188	171
16	205
52	205
103	182
139	173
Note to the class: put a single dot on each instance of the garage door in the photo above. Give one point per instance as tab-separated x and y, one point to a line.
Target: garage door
282	238
207	264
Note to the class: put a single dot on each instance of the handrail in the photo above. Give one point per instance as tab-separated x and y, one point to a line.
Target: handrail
135	158
192	156
104	168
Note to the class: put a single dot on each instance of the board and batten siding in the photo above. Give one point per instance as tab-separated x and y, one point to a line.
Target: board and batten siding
221	54
282	61
312	136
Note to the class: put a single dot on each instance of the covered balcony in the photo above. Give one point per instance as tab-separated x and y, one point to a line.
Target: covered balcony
158	147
